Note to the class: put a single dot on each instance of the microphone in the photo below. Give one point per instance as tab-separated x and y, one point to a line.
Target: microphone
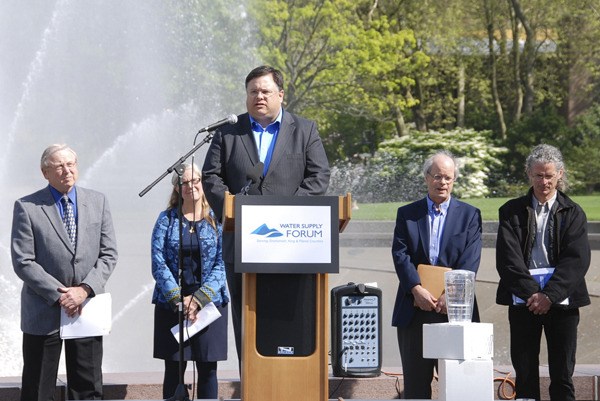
253	176
231	119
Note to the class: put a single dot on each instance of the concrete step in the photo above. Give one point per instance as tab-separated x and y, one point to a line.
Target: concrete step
387	386
368	233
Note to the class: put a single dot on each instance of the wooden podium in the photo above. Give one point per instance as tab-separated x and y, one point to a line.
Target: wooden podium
288	378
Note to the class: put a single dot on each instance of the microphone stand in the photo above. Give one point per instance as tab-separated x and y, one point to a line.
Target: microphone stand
206	140
252	178
181	393
246	188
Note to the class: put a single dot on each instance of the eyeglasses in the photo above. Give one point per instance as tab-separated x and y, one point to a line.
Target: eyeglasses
440	178
265	93
63	166
544	177
194	182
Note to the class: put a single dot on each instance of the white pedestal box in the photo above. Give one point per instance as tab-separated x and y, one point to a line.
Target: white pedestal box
465	341
461	380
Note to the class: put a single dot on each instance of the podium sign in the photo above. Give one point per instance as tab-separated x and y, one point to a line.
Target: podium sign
285	246
296	234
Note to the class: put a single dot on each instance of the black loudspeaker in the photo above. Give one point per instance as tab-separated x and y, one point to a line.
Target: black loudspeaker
356	331
286	314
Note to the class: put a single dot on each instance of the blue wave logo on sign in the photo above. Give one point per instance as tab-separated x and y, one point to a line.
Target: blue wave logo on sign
267	232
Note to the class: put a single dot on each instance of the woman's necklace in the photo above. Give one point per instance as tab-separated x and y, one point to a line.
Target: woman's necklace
191	222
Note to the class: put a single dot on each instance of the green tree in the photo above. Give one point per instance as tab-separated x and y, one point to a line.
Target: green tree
446	33
578	34
490	11
211	47
583	159
339	63
370	70
543	125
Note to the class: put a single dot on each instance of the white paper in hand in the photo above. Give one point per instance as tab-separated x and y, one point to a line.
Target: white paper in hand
208	314
95	319
542	276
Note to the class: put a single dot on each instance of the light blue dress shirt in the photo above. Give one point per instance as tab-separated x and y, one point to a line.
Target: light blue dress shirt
437	219
265	138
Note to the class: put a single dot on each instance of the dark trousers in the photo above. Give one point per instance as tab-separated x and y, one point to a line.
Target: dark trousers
416	370
234	282
41	356
560	329
207	386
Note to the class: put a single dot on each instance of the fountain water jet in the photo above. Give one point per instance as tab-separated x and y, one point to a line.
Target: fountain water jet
34	72
127	85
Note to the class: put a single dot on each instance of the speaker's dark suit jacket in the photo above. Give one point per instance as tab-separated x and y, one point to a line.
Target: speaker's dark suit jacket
299	164
460	248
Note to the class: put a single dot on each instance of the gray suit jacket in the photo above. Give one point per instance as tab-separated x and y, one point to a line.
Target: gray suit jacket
299	164
44	259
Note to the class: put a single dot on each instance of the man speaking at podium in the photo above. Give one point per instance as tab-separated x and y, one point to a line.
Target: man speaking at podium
291	151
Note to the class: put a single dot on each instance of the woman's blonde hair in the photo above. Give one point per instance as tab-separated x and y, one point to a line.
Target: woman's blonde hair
174	199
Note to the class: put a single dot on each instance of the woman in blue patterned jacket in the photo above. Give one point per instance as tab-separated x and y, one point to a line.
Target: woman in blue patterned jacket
203	281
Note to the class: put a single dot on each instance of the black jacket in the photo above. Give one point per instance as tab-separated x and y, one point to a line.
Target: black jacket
569	252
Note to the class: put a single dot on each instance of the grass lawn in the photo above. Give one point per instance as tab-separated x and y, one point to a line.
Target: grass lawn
488	206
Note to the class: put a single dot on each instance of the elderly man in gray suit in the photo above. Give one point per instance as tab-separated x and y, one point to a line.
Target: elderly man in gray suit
64	249
292	154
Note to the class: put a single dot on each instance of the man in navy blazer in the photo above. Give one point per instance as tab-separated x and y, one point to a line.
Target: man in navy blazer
437	230
60	271
294	160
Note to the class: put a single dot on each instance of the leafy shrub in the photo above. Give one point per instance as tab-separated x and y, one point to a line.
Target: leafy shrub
394	173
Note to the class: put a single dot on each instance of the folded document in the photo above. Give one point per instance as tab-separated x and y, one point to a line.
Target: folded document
208	314
95	319
432	278
541	275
